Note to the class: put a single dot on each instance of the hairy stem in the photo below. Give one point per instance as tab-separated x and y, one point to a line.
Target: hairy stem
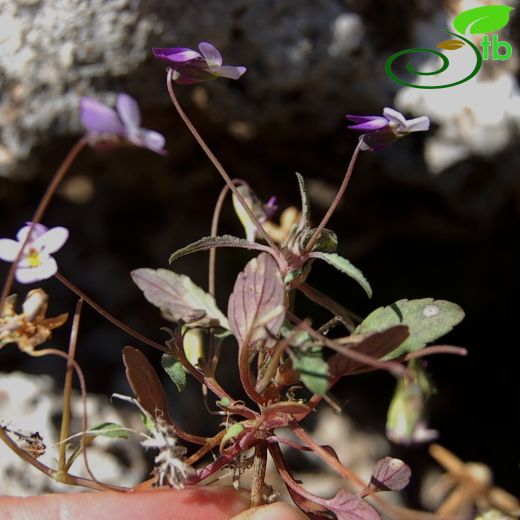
40	210
259	467
335	202
109	317
214	230
216	162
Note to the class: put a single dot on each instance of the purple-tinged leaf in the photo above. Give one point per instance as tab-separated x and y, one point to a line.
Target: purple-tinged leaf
345	505
375	345
178	297
348	506
256	308
390	475
209	242
148	389
310	508
145	383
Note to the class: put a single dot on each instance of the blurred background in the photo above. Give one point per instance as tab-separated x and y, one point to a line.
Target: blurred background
435	215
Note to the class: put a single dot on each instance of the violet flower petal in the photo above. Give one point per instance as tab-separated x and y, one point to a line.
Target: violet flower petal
98	118
368	123
211	55
129	112
395	117
230	71
176	55
153	141
419	124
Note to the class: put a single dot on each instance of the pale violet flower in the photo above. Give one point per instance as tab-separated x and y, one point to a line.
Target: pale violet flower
106	124
36	262
382	130
190	66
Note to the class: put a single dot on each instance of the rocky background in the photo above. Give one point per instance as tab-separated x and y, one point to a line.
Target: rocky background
434	215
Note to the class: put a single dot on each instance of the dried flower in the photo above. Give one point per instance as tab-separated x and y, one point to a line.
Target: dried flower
35	263
189	66
105	124
383	130
30	328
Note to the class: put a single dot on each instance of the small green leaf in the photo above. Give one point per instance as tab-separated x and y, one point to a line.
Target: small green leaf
427	320
225	402
175	370
343	265
109	429
206	243
485	19
233	431
148	422
327	241
313	369
451	45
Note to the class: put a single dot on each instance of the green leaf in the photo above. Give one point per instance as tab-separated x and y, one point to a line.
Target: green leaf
178	297
233	431
343	265
313	369
327	241
427	320
485	19
175	370
225	402
206	243
109	429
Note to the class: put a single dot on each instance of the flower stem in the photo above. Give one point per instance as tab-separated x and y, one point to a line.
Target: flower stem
67	389
214	229
40	210
109	317
216	162
335	202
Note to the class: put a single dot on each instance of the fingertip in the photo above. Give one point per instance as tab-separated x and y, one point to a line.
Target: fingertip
276	511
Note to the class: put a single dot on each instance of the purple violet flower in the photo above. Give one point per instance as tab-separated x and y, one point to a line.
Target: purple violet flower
105	124
189	66
36	262
383	130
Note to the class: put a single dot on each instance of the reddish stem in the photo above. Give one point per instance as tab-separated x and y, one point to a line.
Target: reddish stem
335	202
40	210
217	163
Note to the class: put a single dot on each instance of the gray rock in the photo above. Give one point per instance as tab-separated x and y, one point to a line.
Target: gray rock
306	60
